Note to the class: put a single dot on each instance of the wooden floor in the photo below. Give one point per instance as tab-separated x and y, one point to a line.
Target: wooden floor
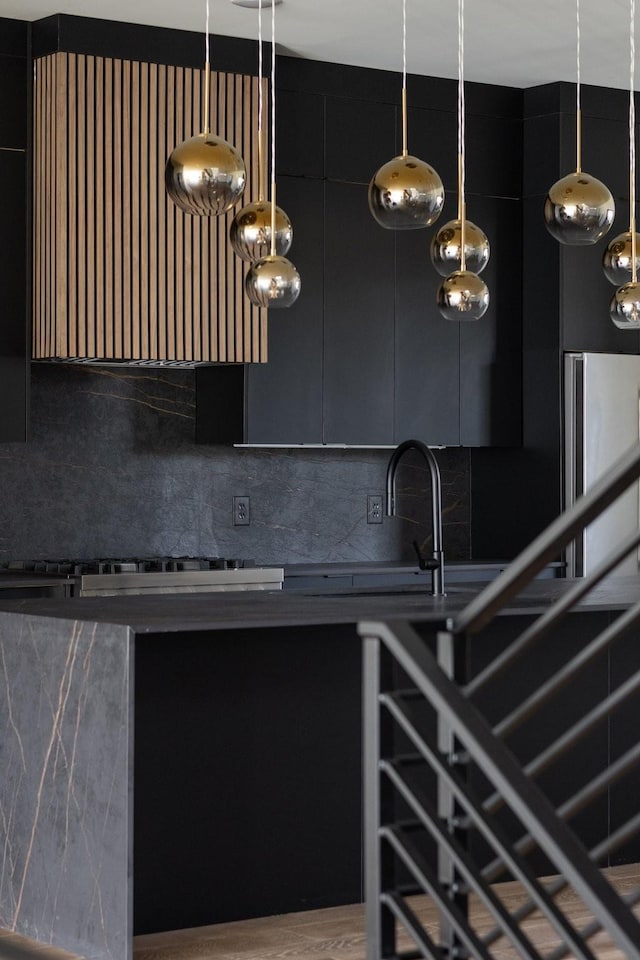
333	934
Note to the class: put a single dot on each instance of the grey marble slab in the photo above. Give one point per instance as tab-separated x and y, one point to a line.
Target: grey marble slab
65	796
224	611
112	469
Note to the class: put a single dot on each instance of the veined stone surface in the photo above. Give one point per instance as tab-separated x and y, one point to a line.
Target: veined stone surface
65	798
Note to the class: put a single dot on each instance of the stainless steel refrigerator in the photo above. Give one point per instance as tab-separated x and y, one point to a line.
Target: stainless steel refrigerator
602	420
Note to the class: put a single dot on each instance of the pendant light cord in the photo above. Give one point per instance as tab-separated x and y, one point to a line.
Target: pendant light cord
578	97
207	70
273	129
261	131
632	140
461	136
404	78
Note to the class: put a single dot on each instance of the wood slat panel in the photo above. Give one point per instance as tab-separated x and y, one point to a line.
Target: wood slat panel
119	271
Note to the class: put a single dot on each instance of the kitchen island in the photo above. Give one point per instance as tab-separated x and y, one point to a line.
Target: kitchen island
177	761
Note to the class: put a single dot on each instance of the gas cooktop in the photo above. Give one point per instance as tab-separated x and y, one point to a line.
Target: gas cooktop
69	567
114	577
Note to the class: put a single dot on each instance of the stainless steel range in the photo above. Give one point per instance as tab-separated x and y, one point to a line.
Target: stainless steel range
151	575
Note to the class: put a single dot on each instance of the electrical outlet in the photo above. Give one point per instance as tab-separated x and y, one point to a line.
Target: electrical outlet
241	512
374	508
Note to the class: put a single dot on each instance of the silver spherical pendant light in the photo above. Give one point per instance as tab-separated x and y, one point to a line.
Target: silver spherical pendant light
617	259
205	175
625	304
405	193
462	295
272	280
579	208
250	231
446	246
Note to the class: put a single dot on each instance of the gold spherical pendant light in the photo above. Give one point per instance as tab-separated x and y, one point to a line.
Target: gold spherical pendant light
250	231
405	193
625	304
272	280
579	208
617	259
205	175
446	245
462	295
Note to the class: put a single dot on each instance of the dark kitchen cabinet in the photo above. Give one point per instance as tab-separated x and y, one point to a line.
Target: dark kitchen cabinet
491	348
284	396
358	320
427	348
14	231
300	134
360	138
364	357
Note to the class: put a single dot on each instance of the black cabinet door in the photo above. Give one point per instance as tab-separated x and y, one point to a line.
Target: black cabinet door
300	134
14	285
360	138
358	320
284	396
491	348
427	360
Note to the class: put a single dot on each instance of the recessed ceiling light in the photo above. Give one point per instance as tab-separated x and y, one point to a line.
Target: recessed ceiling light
256	3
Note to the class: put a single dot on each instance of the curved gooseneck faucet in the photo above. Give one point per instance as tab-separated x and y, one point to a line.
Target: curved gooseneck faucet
436	564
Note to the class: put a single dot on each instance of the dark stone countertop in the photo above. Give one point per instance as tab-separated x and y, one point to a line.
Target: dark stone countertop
360	567
264	609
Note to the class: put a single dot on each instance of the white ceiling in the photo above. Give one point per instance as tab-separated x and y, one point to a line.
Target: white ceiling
514	42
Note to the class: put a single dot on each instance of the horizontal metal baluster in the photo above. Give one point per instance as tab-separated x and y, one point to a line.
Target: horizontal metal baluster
573	806
428	815
527	802
548	544
491	832
631	899
544	623
611	843
428	949
575	733
420	869
624	622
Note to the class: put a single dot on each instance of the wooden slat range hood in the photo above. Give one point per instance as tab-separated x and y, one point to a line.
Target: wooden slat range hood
120	273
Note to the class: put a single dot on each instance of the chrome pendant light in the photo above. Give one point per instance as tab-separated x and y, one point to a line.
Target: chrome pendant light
579	208
250	231
446	246
625	304
205	175
463	295
406	193
273	281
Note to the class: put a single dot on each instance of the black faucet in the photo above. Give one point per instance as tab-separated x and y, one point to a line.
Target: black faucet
435	563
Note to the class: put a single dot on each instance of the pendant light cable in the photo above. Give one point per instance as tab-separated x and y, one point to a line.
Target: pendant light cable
461	136
207	70
404	78
273	129
578	97
261	130
632	140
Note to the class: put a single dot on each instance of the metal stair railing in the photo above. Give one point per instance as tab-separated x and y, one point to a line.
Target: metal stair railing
451	808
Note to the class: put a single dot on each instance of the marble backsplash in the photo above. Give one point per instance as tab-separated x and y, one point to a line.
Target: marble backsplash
112	469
